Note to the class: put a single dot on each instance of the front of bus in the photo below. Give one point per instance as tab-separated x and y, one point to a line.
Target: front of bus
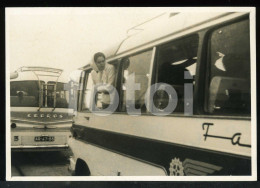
41	114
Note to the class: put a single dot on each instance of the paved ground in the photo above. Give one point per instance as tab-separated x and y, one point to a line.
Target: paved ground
40	163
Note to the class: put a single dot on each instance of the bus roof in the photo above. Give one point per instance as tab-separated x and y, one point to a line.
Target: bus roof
168	25
155	31
39	73
42	69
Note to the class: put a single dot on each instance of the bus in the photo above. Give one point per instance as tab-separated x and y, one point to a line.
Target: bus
205	58
41	113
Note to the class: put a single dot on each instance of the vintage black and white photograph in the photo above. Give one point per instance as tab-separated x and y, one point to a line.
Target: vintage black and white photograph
157	93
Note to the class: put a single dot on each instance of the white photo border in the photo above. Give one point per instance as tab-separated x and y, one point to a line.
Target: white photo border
253	177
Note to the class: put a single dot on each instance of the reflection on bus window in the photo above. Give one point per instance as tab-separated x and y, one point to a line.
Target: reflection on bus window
87	92
139	65
229	85
174	60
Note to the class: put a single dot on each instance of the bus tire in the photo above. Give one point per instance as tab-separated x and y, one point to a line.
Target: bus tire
81	168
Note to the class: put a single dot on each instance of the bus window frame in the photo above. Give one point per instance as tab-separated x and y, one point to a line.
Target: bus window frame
120	80
82	87
83	84
196	76
200	88
81	90
207	60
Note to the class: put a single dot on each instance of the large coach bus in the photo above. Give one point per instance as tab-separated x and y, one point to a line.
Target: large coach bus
41	115
205	57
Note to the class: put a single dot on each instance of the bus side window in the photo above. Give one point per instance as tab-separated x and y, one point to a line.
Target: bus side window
229	72
176	62
101	100
136	67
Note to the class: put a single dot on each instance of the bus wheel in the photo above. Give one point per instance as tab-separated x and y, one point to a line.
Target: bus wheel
81	168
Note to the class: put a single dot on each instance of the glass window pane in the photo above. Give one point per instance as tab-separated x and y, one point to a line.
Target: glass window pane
62	95
177	61
50	94
24	93
229	86
87	92
135	68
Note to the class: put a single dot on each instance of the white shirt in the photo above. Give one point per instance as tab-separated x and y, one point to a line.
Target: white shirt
107	77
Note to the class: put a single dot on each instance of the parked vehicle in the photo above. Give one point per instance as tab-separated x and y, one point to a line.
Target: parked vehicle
41	113
205	57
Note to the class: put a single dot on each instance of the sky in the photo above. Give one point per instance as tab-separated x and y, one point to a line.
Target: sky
66	38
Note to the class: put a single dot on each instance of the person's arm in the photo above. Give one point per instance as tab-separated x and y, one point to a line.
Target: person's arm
94	75
111	75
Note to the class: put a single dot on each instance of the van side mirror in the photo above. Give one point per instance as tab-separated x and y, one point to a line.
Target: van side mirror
13	75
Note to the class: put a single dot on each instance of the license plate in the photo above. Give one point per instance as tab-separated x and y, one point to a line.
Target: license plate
44	138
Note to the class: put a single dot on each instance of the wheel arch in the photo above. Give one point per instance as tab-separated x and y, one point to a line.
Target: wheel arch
81	168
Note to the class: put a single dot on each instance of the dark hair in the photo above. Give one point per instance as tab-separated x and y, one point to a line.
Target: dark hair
126	62
98	54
